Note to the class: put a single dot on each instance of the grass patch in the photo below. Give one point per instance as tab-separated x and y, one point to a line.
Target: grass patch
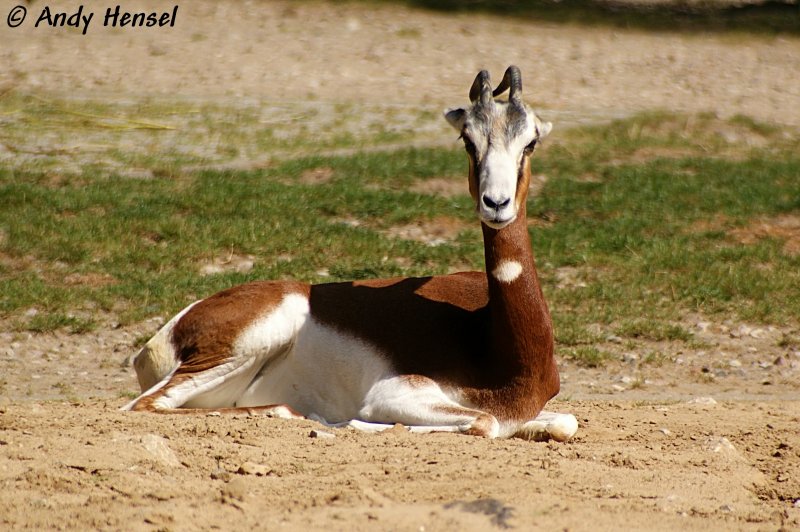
152	236
587	356
651	226
162	138
653	330
641	210
654	358
49	322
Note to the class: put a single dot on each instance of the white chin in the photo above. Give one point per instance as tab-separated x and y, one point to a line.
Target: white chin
497	224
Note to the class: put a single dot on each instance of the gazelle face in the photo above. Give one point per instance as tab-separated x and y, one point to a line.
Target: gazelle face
499	138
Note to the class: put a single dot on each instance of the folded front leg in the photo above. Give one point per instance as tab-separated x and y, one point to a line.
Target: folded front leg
549	426
420	404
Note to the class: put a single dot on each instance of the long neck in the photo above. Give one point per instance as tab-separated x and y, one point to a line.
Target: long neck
521	328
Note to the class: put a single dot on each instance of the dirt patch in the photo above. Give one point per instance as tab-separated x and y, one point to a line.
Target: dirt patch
588	177
441	186
434	232
662	465
229	263
729	360
536	185
570	277
27	262
92	279
317	176
785	227
390	54
643	155
719	222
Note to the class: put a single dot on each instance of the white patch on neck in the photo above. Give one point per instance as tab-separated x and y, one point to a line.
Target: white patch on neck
507	271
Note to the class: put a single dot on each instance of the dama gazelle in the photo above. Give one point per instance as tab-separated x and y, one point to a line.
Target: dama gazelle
468	352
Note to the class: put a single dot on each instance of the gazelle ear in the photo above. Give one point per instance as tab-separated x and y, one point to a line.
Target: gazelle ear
544	129
456	118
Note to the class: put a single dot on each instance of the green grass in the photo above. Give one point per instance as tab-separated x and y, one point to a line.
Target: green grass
151	236
587	356
52	321
644	210
647	209
159	137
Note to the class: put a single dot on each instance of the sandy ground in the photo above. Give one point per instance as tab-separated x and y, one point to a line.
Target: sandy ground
705	438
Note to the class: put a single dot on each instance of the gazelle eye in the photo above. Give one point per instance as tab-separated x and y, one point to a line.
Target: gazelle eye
468	144
529	148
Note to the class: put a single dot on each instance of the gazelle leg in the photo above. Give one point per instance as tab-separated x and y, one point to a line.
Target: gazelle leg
421	405
549	426
277	411
365	426
185	391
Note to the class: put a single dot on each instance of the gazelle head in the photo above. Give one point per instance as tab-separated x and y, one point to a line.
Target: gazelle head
499	138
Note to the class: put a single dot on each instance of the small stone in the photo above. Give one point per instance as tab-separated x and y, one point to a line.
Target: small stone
236	489
397	428
321	434
158	447
220	474
161	495
702	401
630	358
665	431
720	445
250	468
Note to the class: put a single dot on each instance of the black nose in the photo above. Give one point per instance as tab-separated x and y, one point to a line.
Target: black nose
495	204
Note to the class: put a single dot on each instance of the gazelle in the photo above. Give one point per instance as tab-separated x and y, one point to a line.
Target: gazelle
468	352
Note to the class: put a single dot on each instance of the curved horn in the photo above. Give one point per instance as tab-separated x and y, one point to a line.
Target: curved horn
481	88
511	79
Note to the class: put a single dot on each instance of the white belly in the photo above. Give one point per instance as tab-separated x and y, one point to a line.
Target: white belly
325	374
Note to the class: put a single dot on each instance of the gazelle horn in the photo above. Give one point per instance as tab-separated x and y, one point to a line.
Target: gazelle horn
481	88
511	79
